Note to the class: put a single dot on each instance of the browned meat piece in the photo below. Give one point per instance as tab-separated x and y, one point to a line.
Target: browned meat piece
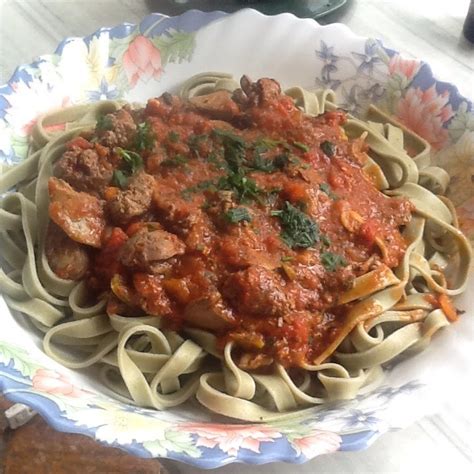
209	312
146	248
244	250
79	214
134	201
67	258
118	129
84	170
259	93
257	291
178	214
217	105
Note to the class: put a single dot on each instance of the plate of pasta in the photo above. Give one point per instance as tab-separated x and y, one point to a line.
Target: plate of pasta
233	255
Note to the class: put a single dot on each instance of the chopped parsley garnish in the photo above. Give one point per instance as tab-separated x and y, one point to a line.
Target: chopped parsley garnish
238	214
298	229
301	146
280	161
194	140
286	258
297	163
234	153
207	184
131	163
218	164
325	240
332	261
144	139
175	161
173	136
259	163
226	134
119	179
104	122
243	187
328	148
325	188
267	143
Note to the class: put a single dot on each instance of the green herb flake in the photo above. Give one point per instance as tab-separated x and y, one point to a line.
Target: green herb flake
175	161
332	261
173	136
328	148
206	205
243	187
132	160
325	240
280	161
238	214
216	162
226	134
145	138
267	143
207	184
186	194
286	258
260	163
301	146
194	140
119	179
104	122
234	149
298	229
325	188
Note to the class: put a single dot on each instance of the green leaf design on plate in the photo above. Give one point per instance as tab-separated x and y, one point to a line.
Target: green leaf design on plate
382	54
463	121
175	441
293	429
175	46
22	361
118	46
19	145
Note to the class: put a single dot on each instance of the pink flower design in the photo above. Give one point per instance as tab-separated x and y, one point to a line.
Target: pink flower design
29	100
403	67
231	438
425	112
53	382
318	442
142	60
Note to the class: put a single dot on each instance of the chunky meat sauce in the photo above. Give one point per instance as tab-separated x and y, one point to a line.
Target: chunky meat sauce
234	213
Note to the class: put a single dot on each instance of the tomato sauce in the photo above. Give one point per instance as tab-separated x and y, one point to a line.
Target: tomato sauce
259	196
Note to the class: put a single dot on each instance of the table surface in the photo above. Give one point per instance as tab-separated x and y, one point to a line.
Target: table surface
428	29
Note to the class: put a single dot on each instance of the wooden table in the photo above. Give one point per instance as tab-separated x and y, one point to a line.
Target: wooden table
428	29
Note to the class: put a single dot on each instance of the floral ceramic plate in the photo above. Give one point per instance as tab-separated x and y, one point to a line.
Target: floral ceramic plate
135	62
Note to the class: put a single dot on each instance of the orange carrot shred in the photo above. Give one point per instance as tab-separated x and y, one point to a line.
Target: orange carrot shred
448	307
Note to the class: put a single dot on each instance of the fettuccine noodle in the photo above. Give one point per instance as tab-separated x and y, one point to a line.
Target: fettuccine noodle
148	365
